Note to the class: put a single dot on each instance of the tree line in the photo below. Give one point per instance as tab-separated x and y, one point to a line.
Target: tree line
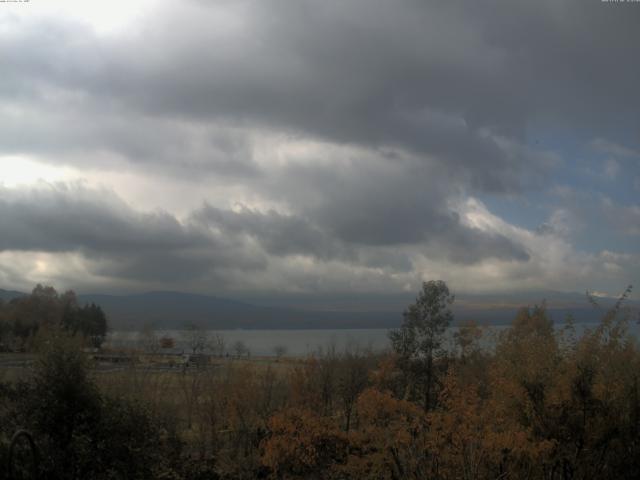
540	402
23	318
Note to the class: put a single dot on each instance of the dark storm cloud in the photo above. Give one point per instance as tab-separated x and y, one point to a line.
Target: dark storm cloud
278	234
423	77
572	59
118	240
365	202
71	217
124	243
426	76
177	266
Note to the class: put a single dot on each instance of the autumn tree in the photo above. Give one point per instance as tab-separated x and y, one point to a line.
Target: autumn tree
279	351
467	338
166	342
390	442
240	404
353	376
305	389
327	377
240	348
195	337
302	444
217	344
44	307
148	338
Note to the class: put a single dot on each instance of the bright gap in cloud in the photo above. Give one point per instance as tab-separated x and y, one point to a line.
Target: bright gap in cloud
16	171
103	17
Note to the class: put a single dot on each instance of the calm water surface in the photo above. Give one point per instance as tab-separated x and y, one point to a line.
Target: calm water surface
304	342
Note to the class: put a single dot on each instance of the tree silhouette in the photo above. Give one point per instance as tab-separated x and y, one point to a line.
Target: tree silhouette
419	340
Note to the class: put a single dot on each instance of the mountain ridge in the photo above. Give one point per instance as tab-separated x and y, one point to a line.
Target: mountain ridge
173	309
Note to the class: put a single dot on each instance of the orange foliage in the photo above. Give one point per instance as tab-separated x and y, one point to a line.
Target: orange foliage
390	441
304	389
302	443
541	408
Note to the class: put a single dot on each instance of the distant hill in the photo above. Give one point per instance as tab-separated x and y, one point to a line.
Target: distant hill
7	295
175	309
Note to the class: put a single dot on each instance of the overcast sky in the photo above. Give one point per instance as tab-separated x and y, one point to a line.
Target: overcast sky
237	147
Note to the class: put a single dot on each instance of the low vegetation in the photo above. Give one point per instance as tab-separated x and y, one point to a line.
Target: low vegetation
541	403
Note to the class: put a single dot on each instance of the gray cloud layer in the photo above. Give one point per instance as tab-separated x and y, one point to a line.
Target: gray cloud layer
144	246
403	110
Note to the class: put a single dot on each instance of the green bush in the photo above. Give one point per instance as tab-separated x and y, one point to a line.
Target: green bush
81	433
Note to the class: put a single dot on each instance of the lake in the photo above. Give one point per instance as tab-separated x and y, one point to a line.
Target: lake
304	342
